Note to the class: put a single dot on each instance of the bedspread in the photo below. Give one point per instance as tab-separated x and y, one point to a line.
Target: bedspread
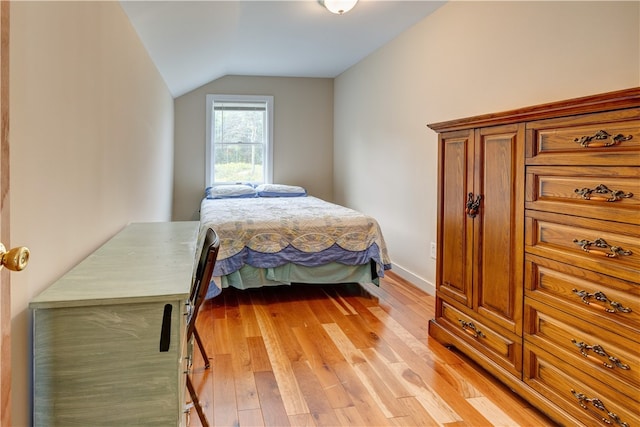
269	232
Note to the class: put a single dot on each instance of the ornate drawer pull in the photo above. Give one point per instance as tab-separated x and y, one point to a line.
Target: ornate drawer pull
472	207
601	244
600	296
597	403
604	139
471	329
602	192
597	349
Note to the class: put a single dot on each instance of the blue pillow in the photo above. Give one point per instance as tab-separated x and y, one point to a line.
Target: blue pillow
280	190
230	191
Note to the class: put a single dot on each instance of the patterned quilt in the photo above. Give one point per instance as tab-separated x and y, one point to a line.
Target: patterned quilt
269	232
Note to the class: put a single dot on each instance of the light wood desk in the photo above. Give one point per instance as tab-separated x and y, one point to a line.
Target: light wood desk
107	352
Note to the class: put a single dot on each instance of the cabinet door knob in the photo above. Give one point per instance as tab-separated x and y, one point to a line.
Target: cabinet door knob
472	206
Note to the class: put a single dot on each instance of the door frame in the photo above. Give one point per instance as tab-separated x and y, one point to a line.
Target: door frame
5	285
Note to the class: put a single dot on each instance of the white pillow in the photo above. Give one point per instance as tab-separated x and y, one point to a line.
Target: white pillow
230	191
280	190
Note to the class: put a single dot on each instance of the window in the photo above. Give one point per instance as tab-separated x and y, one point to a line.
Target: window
239	139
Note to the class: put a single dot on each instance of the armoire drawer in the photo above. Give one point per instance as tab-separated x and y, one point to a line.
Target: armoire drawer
611	138
587	399
611	303
606	247
611	193
607	357
504	350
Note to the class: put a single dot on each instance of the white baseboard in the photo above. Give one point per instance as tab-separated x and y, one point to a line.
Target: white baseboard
421	283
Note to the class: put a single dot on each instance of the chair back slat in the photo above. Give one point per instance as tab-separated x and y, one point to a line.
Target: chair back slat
202	277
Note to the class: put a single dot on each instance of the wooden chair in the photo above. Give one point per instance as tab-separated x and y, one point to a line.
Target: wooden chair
199	288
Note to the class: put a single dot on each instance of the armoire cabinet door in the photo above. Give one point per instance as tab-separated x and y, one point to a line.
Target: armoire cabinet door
498	227
455	232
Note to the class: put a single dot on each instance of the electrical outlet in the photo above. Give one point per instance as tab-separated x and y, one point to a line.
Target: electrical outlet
433	250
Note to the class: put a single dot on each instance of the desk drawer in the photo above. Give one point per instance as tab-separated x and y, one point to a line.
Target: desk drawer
611	193
611	359
603	246
611	138
102	364
506	351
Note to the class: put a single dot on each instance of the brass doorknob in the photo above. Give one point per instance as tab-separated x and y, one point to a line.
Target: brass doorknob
15	259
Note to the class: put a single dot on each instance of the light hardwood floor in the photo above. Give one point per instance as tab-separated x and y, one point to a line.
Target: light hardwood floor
341	355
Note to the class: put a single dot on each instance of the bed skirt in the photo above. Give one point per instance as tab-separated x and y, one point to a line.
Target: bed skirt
249	277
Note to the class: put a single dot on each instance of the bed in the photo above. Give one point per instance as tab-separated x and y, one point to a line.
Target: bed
277	234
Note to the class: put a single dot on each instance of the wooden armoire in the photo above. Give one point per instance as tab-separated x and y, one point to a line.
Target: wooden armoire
538	263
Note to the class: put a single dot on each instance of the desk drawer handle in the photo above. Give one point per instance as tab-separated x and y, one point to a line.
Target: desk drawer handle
601	246
165	330
602	193
597	349
471	329
601	139
600	296
597	403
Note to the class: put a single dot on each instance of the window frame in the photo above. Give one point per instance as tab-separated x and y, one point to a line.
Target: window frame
209	149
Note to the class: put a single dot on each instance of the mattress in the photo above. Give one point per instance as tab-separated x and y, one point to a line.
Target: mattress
287	237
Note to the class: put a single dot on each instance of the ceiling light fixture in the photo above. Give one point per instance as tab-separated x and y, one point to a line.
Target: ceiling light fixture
339	6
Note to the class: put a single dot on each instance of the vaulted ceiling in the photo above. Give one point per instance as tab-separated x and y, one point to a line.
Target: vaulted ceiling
195	42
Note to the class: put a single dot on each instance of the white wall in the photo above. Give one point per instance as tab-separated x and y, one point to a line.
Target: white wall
91	134
303	135
467	58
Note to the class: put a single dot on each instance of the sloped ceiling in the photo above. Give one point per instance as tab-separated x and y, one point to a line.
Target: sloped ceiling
195	42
